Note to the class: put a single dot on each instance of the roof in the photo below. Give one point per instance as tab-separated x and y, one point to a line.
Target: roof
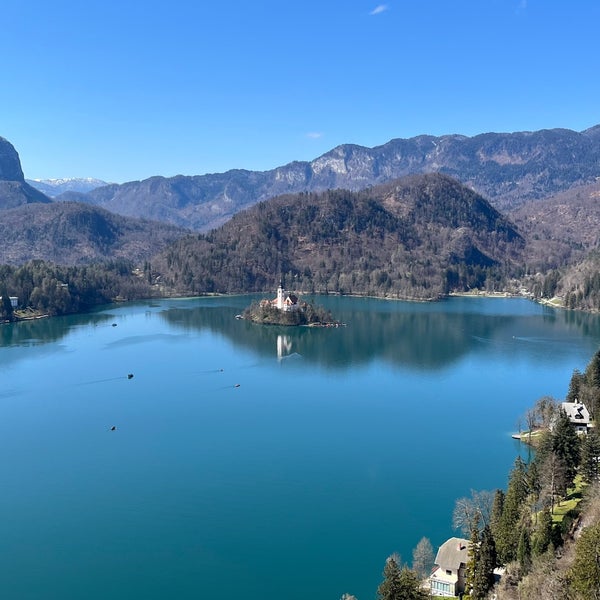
577	412
453	553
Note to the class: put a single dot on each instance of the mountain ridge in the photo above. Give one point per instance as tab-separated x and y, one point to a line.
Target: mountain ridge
508	169
55	187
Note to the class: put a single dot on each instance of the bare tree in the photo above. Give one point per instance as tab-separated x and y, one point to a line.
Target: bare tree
423	558
467	509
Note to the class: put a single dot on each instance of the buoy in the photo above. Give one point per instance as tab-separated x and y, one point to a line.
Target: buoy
129	375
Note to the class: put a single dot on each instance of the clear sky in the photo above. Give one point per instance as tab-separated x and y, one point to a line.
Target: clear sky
123	90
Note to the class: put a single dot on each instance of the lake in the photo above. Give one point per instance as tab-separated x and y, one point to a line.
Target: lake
258	462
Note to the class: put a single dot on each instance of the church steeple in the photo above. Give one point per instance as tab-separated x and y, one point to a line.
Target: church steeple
280	292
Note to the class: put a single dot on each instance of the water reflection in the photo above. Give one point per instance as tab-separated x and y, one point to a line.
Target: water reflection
429	336
284	346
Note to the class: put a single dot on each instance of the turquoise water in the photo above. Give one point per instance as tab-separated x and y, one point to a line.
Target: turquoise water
258	462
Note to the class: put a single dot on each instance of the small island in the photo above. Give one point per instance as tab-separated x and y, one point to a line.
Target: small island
287	309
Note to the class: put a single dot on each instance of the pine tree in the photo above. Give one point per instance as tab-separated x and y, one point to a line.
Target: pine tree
483	580
585	572
565	443
577	380
6	309
592	371
542	536
590	456
410	586
399	584
389	589
472	556
496	514
507	537
524	550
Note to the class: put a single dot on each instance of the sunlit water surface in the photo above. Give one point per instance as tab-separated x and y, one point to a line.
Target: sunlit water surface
258	462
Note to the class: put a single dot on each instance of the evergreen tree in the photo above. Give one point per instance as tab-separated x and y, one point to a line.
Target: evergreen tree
483	579
590	456
410	586
507	537
389	588
496	514
585	572
399	584
524	550
542	536
6	309
577	380
472	556
592	371
565	443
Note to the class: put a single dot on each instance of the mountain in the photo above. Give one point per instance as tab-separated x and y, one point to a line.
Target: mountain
14	191
418	237
54	187
70	233
561	229
509	169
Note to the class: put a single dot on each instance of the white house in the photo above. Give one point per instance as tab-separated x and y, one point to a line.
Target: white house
578	415
449	574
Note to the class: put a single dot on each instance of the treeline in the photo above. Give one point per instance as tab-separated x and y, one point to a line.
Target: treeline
578	284
51	289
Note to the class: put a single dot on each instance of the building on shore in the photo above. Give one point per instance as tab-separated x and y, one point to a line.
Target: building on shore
284	301
449	573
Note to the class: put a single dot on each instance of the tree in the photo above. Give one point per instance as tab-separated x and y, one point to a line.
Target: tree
565	443
545	409
577	380
496	514
590	456
507	536
542	536
423	558
554	478
399	584
585	572
592	371
524	550
466	510
389	588
6	309
483	574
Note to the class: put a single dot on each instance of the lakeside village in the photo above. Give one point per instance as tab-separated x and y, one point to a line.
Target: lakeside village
287	309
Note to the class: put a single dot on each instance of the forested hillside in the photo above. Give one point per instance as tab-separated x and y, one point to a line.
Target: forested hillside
419	237
47	289
71	233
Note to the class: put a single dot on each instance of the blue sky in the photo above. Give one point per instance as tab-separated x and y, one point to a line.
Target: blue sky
130	89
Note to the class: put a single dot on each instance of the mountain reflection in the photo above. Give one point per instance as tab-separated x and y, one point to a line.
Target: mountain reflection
425	336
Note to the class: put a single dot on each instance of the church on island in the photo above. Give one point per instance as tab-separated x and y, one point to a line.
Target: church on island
285	301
